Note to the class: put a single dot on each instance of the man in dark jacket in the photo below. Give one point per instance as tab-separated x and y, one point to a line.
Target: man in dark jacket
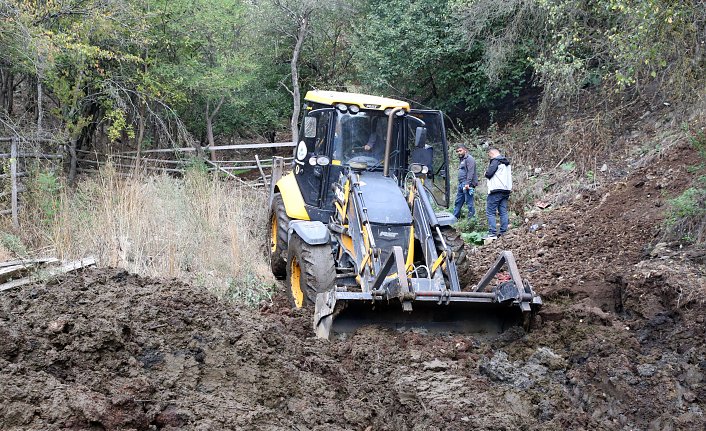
467	182
499	175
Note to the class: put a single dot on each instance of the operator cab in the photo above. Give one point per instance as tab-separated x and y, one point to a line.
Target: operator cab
348	130
359	138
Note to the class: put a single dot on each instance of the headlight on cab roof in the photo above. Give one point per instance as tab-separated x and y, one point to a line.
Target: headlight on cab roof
399	113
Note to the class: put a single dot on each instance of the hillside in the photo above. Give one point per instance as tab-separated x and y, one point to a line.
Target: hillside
600	105
618	345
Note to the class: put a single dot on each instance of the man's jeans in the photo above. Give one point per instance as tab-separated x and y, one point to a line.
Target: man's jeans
467	196
497	202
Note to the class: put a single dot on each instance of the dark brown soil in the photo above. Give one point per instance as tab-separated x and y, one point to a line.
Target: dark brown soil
618	345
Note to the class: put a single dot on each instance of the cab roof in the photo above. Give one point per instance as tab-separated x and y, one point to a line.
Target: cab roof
364	101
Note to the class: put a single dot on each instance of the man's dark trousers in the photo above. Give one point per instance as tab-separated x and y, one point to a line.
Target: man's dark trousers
464	195
497	202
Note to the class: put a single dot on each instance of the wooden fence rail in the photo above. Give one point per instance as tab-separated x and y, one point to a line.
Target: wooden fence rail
218	148
91	161
32	156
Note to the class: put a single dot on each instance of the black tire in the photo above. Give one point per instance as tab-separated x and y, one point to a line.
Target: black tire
458	247
277	225
316	271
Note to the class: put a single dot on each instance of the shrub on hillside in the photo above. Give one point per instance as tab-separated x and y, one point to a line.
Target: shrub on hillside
686	220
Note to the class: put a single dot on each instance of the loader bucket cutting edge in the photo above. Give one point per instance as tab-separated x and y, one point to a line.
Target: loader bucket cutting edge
345	315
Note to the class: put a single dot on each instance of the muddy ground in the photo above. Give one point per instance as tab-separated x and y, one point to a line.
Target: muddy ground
620	343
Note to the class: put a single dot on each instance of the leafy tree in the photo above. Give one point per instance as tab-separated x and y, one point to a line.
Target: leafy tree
198	52
578	44
85	54
416	50
294	24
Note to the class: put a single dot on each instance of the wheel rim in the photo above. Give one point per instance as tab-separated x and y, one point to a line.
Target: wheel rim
273	233
295	280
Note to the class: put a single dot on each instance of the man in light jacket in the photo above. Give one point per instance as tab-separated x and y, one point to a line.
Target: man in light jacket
499	175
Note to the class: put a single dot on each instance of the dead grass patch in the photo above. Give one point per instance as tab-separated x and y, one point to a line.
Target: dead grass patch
205	231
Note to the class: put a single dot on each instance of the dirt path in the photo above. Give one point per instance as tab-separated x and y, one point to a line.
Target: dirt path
620	345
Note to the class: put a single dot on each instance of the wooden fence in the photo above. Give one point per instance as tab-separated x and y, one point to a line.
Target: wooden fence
252	170
177	160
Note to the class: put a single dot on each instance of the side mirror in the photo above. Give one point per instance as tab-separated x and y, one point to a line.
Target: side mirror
420	137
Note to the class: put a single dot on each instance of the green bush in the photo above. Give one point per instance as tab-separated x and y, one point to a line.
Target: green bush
249	289
568	166
472	230
44	189
475	237
418	51
688	204
686	214
697	140
50	187
14	244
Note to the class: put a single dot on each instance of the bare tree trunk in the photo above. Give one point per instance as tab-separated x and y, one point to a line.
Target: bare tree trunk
143	107
2	87
73	158
9	90
30	98
209	124
155	135
40	94
74	135
209	131
13	176
140	134
296	93
40	111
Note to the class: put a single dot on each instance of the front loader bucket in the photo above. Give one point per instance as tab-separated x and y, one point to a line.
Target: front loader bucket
344	312
419	307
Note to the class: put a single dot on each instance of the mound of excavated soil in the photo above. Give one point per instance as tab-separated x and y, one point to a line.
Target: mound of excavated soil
619	345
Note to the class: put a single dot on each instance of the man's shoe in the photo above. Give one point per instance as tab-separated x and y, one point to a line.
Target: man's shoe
490	236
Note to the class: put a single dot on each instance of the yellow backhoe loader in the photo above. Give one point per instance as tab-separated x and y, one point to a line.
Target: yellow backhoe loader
356	232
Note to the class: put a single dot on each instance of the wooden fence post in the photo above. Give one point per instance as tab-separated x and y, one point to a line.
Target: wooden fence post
277	171
262	173
13	179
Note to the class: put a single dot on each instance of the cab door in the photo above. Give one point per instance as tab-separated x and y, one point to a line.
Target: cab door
437	183
314	139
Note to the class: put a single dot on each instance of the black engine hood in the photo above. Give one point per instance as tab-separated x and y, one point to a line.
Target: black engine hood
384	200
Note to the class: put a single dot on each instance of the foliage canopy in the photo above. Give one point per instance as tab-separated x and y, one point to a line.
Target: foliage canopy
129	72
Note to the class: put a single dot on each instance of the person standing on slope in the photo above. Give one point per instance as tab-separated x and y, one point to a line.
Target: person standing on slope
467	182
499	175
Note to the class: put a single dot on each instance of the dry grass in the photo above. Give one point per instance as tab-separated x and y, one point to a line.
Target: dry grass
202	230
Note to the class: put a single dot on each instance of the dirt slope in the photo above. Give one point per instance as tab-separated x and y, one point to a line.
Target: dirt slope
620	345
